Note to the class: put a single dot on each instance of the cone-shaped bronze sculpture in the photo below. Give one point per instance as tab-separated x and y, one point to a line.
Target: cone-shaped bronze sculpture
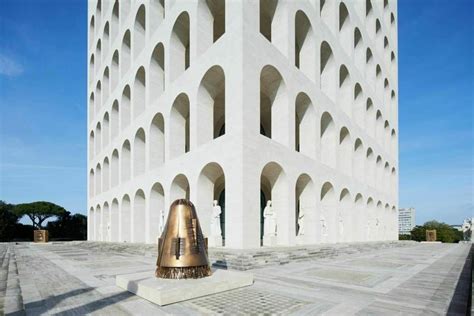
182	249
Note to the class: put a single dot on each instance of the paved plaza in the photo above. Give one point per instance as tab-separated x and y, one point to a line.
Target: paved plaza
74	279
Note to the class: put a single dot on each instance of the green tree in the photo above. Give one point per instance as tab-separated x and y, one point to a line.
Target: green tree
68	227
444	232
8	221
38	212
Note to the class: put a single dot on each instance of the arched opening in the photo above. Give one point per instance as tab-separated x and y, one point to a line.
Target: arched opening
370	118
98	224
369	18
386	178
359	56
91	107
98	179
179	50
345	151
139	31
179	188
345	217
139	157
378	36
211	22
106	175
91	144
393	143
386	141
98	96
98	53
379	173
305	45
344	28
327	9
125	220
114	120
327	219
157	141
378	221
90	224
378	81
157	212
106	86
139	90
115	20
211	187
157	14
139	217
305	125
98	138
125	112
114	221
358	165
393	106
379	127
179	126
126	4
91	183
115	70
359	106
106	128
273	24
328	72
91	31
274	188
125	162
370	167
273	105
115	168
98	13
358	219
393	181
386	223
345	90
370	233
211	105
106	38
328	140
106	222
305	210
91	69
386	50
126	52
369	63
386	88
157	72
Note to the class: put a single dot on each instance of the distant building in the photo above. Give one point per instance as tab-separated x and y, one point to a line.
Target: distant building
406	220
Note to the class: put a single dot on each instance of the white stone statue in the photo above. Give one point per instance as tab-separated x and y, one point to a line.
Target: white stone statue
301	222
162	220
216	220
269	225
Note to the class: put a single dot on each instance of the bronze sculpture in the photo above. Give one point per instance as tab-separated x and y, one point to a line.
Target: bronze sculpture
182	248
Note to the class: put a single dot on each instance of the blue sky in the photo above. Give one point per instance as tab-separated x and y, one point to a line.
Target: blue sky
43	105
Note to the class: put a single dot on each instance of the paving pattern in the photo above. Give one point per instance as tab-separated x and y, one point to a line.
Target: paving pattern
73	279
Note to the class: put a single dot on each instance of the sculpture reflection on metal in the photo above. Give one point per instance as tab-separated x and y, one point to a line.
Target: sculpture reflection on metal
182	248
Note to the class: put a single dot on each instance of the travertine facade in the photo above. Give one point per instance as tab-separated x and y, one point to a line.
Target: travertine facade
243	102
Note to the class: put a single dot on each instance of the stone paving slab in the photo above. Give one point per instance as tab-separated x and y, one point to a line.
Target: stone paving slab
79	278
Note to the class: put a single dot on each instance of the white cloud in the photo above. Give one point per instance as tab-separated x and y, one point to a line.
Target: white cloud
10	67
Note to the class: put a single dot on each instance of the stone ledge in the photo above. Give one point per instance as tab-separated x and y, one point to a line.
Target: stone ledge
166	291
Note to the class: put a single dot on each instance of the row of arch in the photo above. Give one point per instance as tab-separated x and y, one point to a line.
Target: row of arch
330	215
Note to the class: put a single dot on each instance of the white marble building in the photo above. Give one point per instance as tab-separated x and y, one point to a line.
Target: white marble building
243	102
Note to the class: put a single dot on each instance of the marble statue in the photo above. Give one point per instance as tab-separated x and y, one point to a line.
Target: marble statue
216	220
269	216
301	222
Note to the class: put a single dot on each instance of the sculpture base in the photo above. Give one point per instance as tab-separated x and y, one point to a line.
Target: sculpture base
183	272
269	241
168	291
215	241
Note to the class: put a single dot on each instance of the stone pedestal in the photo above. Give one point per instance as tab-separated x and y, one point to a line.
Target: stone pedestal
168	291
40	236
269	241
215	241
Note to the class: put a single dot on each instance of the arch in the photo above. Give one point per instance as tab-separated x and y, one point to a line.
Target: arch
125	112
379	221
115	20
358	219
370	117
91	182
393	143
139	92
179	126
157	72
98	179
305	209
211	23
345	90
98	96
370	18
359	48
106	129
115	169
386	96
91	107
91	144
345	216
379	172
370	167
358	161
179	188
91	31
106	38
180	46
98	53
358	108
139	217
345	151
393	181
344	27
106	222
114	70
371	220
157	14
98	13
106	175
328	213
91	68
157	205
114	120
369	63
378	80
139	150
139	31
97	223
211	105
273	24
125	233
125	162
327	10
379	127
114	221
305	45
126	53
157	141
98	138
386	139
386	178
328	71
211	185
106	85
305	125
328	138
273	104
274	187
